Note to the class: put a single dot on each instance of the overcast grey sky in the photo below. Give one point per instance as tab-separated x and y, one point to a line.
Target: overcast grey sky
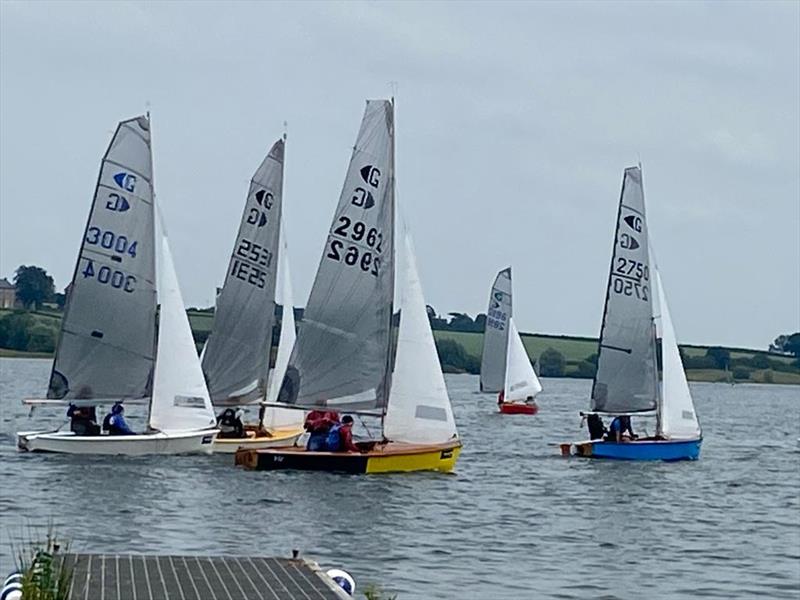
515	122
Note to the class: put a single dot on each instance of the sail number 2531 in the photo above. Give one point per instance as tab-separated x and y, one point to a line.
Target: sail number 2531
365	253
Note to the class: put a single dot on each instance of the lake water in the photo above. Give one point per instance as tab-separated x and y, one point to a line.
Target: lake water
515	521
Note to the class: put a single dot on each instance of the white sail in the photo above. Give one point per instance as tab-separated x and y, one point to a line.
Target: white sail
495	334
419	408
180	397
678	419
283	417
520	381
107	341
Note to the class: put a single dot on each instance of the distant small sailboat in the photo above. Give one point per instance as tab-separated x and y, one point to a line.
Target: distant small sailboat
495	335
627	380
124	282
521	383
345	358
237	353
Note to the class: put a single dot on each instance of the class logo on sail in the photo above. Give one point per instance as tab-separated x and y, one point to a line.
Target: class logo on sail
126	181
628	242
363	198
265	200
634	222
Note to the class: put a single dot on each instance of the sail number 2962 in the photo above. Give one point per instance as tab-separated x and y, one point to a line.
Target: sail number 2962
365	253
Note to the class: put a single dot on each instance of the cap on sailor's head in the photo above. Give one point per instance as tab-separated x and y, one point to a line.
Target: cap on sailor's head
343	580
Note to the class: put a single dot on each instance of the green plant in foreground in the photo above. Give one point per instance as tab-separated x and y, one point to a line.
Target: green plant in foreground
44	576
374	592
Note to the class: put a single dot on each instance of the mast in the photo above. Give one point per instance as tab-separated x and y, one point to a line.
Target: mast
387	379
158	228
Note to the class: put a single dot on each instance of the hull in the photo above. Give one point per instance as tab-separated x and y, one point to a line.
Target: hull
392	457
66	442
518	408
280	438
667	450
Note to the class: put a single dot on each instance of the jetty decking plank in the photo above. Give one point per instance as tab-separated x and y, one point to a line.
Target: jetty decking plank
156	577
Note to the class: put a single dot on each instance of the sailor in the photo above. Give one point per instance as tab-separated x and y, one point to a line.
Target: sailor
318	423
531	402
596	428
83	420
114	422
501	397
340	436
230	425
619	427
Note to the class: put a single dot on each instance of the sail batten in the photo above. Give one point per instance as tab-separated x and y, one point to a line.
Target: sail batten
626	379
106	346
236	355
341	354
495	336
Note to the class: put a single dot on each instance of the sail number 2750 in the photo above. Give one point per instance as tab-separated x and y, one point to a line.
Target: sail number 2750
365	253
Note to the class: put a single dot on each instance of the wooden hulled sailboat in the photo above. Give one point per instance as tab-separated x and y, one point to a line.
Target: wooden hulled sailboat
521	384
107	350
627	380
345	358
236	356
495	334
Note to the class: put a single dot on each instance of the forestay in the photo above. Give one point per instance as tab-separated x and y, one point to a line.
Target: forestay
236	356
106	348
677	418
341	356
180	398
419	408
521	382
495	336
626	379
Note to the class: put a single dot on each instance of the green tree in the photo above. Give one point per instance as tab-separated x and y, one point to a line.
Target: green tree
453	355
721	356
34	286
586	369
552	363
42	338
14	330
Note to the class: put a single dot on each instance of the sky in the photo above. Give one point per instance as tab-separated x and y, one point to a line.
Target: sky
514	124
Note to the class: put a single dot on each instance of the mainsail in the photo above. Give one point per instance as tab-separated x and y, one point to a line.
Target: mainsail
341	356
677	417
106	348
236	356
495	336
419	410
521	382
180	398
626	379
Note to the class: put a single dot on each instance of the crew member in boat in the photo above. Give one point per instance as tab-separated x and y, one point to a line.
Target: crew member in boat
501	397
340	437
114	422
83	420
619	427
318	424
531	402
597	430
230	425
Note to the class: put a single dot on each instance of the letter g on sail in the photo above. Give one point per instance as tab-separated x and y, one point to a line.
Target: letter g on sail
126	181
371	175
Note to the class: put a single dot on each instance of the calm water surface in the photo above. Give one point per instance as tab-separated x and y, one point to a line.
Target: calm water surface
515	521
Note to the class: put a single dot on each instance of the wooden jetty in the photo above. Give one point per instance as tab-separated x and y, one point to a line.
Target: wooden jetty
155	577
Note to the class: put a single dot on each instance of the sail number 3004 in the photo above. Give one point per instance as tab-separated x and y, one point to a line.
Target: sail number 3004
108	276
365	253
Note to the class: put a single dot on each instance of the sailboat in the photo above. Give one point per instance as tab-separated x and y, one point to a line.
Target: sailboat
108	351
495	335
345	358
236	355
627	381
521	384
